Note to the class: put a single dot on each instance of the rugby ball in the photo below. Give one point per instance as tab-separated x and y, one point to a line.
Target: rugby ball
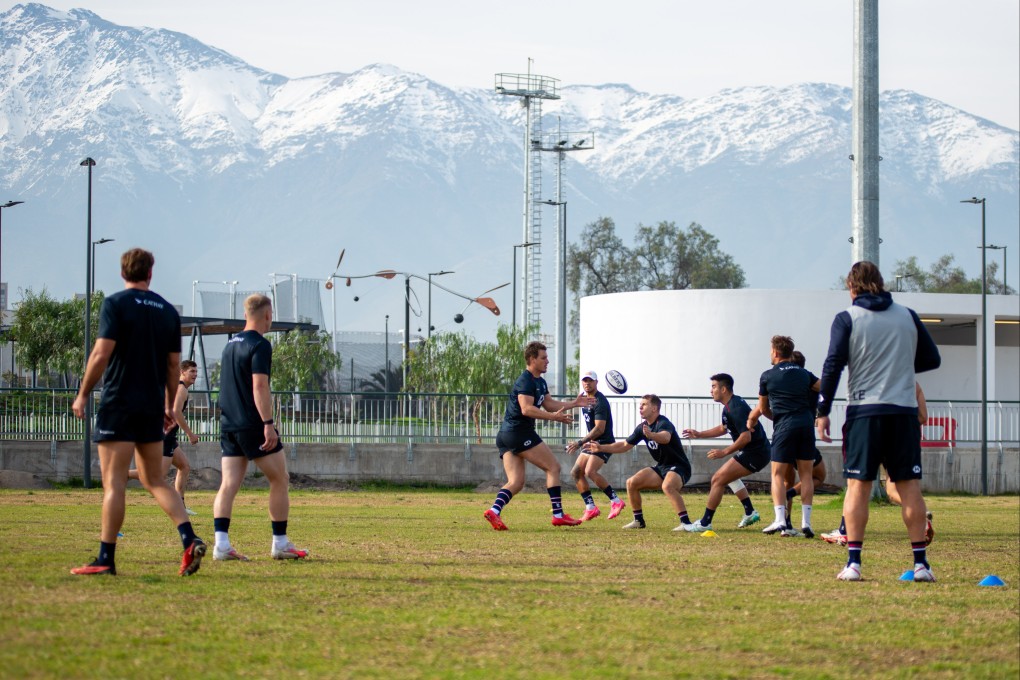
616	381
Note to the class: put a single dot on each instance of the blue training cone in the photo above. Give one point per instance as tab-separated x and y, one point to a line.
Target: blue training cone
991	580
908	575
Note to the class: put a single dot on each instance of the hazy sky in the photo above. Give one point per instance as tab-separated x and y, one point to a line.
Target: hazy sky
966	53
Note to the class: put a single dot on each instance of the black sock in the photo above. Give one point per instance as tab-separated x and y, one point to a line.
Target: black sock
610	494
748	507
280	528
842	525
586	497
920	553
557	501
221	524
187	534
639	517
707	518
107	553
684	519
790	493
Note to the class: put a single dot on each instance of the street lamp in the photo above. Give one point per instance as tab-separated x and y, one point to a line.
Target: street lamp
8	204
94	244
386	371
86	444
561	300
984	350
514	279
431	274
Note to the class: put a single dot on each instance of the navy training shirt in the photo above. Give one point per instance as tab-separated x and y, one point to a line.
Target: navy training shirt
788	387
670	453
246	354
513	419
734	419
600	411
146	329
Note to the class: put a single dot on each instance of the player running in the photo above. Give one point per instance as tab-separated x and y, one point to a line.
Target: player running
518	442
751	450
818	471
671	471
598	418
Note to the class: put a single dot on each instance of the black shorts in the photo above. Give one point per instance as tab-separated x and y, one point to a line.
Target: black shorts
246	443
113	425
790	444
663	469
516	442
892	440
604	456
818	457
170	443
755	460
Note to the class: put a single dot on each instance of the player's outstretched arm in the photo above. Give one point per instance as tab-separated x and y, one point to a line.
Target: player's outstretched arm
529	410
615	447
717	431
582	400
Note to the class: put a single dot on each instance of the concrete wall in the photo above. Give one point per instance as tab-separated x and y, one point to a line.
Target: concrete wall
945	470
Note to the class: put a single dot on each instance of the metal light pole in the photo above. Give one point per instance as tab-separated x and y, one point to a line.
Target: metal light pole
8	204
984	351
94	244
386	370
514	279
431	274
87	444
561	298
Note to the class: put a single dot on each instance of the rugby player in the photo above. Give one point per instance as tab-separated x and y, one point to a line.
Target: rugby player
598	418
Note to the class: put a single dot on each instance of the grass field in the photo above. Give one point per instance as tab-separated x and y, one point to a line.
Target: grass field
412	583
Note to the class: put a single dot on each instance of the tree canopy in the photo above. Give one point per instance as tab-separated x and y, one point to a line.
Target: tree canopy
303	361
943	276
664	257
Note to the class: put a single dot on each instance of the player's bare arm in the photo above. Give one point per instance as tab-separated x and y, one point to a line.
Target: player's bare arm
738	444
615	447
179	400
529	410
822	427
657	437
98	360
264	404
717	431
582	400
595	432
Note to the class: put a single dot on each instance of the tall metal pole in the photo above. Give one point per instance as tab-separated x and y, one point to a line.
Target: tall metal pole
984	357
87	444
386	371
407	330
865	156
513	322
984	349
561	340
431	274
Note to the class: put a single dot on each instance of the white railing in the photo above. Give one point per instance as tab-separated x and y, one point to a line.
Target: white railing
328	417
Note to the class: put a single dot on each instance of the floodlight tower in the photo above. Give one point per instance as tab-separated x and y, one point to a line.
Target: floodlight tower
561	143
531	89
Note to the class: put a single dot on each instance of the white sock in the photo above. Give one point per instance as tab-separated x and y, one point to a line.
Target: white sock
590	505
780	514
280	542
805	511
222	541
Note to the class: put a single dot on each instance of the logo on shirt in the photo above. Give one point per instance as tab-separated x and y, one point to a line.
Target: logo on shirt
652	445
148	303
917	469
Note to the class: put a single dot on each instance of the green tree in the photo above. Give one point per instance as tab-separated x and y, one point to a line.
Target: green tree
303	361
673	259
456	363
944	277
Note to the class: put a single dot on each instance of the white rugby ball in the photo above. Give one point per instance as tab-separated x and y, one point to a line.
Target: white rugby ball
616	381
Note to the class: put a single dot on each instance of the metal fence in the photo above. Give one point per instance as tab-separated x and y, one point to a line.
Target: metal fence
330	417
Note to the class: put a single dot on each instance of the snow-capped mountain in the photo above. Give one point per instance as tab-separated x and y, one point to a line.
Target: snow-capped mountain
228	172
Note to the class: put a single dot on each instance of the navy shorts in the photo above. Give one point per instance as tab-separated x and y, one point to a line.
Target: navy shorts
662	470
113	425
516	442
170	443
790	444
246	443
818	457
604	456
892	440
755	460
